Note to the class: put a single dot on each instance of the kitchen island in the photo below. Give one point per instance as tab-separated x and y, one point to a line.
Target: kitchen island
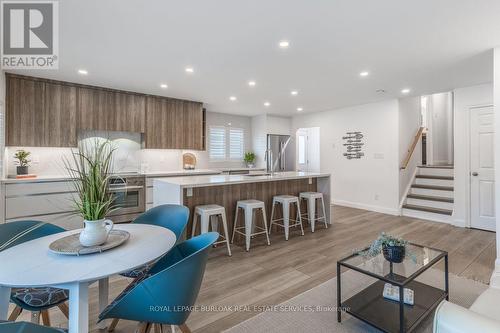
226	190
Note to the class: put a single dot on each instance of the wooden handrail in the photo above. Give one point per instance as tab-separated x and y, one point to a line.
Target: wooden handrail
412	148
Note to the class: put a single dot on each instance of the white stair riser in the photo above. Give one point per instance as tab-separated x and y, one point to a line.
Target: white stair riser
426	215
436	182
435	193
435	172
430	203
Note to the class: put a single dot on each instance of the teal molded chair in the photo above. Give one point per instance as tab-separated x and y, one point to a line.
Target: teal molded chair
167	293
37	300
24	327
172	217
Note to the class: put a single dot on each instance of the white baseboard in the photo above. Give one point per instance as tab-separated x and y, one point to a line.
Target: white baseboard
458	223
378	209
495	277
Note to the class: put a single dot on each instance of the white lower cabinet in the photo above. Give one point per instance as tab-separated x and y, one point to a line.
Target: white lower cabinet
67	221
47	201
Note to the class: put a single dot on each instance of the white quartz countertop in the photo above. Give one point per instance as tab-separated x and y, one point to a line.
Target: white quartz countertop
55	178
213	180
38	179
182	173
241	169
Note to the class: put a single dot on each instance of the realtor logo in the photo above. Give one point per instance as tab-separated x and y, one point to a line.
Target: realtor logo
29	34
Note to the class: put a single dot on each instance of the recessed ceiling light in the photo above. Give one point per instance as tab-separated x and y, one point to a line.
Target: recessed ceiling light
232	98
294	93
82	71
299	109
364	73
405	91
252	83
267	104
284	44
189	70
163	85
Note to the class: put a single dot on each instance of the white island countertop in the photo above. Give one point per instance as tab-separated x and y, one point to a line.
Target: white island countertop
214	180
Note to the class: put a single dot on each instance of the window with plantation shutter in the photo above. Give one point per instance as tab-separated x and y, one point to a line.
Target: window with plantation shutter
236	143
217	143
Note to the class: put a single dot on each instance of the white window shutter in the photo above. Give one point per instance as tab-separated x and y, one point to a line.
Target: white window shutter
217	143
236	143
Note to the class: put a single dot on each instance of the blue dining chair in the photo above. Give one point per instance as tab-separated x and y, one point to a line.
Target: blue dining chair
25	327
172	217
40	299
167	293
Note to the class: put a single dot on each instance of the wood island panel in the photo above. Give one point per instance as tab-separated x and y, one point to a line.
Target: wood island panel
228	195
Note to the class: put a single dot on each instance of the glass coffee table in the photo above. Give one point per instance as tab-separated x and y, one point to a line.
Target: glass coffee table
390	316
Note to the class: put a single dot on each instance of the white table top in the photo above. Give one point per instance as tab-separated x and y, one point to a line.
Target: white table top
32	264
213	180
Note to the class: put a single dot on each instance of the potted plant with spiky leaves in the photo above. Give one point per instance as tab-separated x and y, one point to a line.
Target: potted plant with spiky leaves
90	170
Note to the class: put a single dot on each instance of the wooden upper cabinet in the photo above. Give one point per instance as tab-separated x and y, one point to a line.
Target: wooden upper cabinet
193	125
159	118
173	124
40	114
108	110
60	116
95	109
49	113
130	112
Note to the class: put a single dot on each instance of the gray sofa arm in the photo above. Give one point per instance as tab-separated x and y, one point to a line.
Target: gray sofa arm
452	318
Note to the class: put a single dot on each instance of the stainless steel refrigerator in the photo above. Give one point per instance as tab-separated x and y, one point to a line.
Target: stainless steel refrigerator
279	156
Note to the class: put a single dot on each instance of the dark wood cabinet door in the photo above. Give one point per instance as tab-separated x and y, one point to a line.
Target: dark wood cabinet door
108	110
24	112
173	124
60	116
40	114
193	125
130	112
96	109
156	119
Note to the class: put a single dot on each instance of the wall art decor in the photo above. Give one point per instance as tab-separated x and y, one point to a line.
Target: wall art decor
353	142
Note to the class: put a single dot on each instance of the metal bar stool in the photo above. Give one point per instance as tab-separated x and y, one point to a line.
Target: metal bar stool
248	207
286	201
311	215
211	213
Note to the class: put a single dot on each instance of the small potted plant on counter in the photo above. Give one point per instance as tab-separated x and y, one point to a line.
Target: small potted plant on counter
90	170
22	161
249	159
393	248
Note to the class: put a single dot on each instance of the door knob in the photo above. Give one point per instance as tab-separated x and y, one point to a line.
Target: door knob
475	174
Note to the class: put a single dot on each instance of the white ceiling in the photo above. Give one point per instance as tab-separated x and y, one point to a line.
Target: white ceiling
426	45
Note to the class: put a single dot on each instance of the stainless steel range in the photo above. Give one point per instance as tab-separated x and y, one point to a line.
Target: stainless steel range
129	193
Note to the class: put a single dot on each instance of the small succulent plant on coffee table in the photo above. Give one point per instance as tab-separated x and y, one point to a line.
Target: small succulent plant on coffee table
393	248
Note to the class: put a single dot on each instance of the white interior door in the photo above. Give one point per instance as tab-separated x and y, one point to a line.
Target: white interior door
302	147
482	177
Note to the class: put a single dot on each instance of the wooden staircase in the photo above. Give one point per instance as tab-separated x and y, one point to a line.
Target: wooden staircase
431	195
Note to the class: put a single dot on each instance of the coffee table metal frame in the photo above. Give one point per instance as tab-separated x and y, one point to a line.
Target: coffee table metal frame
402	283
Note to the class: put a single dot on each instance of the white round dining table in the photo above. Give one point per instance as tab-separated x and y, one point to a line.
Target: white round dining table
32	264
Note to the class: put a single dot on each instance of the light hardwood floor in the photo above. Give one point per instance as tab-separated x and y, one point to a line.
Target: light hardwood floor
269	275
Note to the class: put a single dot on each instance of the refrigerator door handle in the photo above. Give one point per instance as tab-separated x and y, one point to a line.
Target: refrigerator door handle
282	157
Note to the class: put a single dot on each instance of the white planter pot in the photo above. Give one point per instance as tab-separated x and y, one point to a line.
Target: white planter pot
95	232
